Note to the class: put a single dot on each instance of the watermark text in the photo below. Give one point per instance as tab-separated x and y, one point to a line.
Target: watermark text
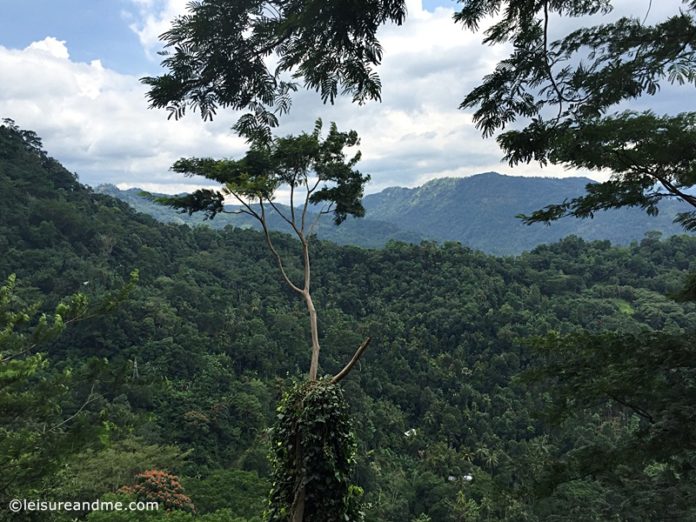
25	505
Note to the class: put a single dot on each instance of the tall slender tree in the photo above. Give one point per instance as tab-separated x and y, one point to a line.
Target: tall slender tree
314	171
311	468
217	56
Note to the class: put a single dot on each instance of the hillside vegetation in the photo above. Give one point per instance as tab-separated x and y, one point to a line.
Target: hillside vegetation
185	373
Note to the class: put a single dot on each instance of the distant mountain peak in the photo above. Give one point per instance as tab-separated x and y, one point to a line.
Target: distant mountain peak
478	211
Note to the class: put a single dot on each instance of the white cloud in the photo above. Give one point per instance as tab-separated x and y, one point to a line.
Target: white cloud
52	47
95	120
154	18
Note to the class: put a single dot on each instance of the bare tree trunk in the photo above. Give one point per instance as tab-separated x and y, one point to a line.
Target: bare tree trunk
314	365
298	508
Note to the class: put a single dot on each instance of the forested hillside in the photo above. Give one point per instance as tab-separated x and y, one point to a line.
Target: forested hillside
479	212
183	376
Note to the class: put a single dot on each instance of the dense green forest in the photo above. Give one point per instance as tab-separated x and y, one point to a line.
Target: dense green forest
468	405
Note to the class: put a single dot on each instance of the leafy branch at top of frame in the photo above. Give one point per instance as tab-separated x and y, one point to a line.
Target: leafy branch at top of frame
216	56
583	74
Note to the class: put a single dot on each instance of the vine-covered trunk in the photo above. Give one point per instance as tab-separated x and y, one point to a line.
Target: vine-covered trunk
313	453
298	508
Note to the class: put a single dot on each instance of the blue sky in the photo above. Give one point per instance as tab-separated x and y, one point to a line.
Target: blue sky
92	29
70	69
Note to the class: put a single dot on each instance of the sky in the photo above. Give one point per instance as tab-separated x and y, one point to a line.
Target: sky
70	69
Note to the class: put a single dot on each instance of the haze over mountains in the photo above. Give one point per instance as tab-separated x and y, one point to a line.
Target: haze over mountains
478	211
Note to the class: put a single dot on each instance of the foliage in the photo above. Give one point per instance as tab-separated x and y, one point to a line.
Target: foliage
645	380
161	487
242	493
216	56
192	360
293	162
40	422
648	374
313	453
651	158
565	89
96	470
19	434
26	140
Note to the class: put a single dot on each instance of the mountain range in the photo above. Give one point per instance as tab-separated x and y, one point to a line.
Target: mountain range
478	211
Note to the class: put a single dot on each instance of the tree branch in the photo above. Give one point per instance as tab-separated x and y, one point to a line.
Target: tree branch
348	367
67	322
636	409
239	211
664	180
90	398
306	203
691	200
288	221
246	205
292	199
326	210
275	252
549	71
27	350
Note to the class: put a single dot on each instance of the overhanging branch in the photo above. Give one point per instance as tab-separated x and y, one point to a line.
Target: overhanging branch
348	367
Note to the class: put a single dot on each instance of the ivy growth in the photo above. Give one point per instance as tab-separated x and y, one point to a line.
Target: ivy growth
313	454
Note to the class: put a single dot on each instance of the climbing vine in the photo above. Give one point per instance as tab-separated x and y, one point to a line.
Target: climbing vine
313	453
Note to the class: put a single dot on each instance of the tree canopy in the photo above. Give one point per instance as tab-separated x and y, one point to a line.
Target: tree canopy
314	170
217	55
438	401
305	165
564	92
